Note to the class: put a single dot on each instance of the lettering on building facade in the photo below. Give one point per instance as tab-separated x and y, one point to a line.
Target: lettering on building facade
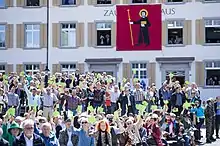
165	11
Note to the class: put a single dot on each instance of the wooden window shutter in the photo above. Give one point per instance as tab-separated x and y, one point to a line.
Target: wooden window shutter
92	34
56	68
79	2
56	2
200	32
9	3
43	35
9	35
80	35
42	67
161	1
187	32
200	73
126	2
127	71
116	1
151	1
9	68
188	0
19	68
94	2
20	3
20	35
113	34
164	33
81	67
43	3
151	69
56	35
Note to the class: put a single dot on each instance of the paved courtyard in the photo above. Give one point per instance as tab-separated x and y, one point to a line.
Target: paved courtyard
216	143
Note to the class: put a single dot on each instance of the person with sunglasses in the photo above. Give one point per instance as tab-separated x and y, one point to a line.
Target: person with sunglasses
85	138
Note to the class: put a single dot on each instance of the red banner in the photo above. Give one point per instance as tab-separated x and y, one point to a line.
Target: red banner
139	27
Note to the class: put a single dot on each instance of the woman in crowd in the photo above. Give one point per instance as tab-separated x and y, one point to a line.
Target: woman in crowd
102	134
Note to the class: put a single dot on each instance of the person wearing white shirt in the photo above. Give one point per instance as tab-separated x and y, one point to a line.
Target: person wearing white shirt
114	94
33	98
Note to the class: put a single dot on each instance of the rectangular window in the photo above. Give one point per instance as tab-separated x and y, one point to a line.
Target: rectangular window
68	35
2	69
211	1
212	31
32	35
174	1
32	68
32	3
2	36
68	2
175	32
139	1
2	3
212	69
68	68
139	70
104	2
103	34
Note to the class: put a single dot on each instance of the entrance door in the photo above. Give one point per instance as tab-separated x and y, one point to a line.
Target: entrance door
179	75
107	72
110	69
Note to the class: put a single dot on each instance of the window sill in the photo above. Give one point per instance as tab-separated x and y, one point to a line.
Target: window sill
67	6
32	7
3	48
211	44
210	1
68	47
3	7
140	3
103	5
211	87
28	48
103	47
175	45
174	3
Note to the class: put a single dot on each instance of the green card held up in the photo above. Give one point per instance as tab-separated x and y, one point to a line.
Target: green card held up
171	75
153	107
79	109
56	114
11	111
100	109
92	119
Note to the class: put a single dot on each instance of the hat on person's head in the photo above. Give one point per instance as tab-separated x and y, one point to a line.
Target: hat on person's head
109	116
14	125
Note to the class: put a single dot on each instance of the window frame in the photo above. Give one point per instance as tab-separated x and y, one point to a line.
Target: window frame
32	66
130	2
175	3
25	35
167	38
69	70
104	5
105	21
4	6
25	4
140	69
210	68
3	71
60	37
61	4
5	28
204	21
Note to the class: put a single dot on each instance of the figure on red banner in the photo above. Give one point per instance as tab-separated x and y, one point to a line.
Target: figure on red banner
144	23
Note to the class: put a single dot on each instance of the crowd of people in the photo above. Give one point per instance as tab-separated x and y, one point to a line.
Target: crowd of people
91	109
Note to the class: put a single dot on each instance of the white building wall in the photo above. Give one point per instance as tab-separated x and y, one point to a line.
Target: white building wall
191	11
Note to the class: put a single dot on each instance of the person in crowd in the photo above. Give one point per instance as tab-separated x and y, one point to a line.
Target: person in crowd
3	142
138	94
13	99
47	135
217	117
114	95
85	137
49	102
72	102
99	95
209	117
28	137
67	138
102	134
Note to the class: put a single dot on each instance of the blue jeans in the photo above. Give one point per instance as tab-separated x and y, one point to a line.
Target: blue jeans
84	107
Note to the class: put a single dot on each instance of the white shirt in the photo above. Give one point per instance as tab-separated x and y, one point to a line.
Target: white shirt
129	102
114	96
32	100
29	142
49	99
69	143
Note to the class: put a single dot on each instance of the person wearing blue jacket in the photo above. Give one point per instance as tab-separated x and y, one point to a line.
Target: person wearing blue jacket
83	133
